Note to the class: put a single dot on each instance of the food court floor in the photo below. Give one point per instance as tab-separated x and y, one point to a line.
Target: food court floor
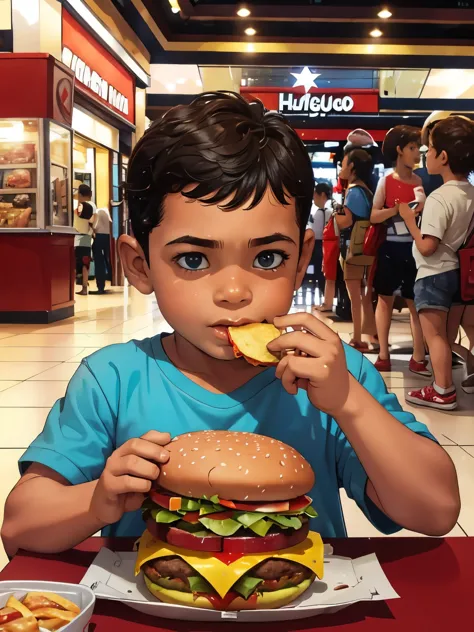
36	362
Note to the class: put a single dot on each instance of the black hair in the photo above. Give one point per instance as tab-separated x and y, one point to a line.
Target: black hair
87	211
232	150
399	136
84	190
362	165
455	136
324	187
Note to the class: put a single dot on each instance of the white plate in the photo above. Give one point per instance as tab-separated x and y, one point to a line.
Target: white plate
82	596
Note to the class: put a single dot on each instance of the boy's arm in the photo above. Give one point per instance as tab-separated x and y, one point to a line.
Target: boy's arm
382	458
45	513
379	213
411	478
433	225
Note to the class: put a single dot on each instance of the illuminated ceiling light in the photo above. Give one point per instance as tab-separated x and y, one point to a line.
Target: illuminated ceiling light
243	82
376	33
250	31
171	87
385	14
250	48
181	80
174	6
243	12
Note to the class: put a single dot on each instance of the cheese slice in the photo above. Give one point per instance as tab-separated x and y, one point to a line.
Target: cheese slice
221	576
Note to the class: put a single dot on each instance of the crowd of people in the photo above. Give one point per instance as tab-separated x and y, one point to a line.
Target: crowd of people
402	236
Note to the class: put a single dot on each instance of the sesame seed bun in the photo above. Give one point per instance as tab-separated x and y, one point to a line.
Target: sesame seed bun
236	466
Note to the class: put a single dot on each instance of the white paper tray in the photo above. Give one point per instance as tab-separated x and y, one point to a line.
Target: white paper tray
82	596
111	576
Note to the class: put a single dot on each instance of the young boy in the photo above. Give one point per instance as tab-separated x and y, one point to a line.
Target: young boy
445	221
396	267
220	193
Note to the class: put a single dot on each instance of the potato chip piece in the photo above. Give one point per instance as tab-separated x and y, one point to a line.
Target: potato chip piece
250	341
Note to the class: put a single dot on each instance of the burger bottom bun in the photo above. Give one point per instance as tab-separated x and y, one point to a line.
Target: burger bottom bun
267	600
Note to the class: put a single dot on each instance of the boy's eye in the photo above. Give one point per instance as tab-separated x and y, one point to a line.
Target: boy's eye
269	260
193	261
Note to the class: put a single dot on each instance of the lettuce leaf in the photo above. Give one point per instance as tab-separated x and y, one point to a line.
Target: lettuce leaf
209	509
221	527
247	518
246	586
163	516
287	522
262	527
198	584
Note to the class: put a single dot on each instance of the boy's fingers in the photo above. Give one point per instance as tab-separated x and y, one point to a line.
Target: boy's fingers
135	466
126	484
300	341
144	449
308	322
154	436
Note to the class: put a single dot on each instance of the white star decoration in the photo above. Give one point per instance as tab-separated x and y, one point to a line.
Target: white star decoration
305	78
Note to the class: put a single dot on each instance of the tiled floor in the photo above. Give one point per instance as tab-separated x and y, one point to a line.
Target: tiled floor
36	362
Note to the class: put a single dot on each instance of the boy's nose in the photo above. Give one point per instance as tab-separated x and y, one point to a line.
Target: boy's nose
234	291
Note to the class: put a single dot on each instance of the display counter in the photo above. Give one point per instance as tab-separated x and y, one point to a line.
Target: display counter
36	218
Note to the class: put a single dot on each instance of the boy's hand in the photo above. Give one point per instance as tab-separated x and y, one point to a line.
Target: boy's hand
406	213
128	476
316	362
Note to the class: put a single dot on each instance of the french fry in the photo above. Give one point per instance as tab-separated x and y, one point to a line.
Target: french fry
52	624
58	599
14	603
54	613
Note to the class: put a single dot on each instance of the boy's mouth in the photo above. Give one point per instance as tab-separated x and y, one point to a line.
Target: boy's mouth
221	327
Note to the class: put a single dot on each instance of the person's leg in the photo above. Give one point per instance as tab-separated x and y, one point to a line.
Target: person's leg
329	293
383	319
354	291
318	267
454	322
99	260
108	266
434	325
419	351
368	315
468	326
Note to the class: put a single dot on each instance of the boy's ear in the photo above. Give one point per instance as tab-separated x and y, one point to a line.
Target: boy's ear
134	264
305	257
444	158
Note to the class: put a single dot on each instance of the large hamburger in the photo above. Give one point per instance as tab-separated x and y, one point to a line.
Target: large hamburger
228	524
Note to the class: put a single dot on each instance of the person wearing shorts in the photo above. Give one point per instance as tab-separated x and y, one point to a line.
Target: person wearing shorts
396	267
357	170
446	219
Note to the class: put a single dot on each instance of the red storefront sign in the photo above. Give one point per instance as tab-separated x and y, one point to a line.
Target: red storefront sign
98	74
294	103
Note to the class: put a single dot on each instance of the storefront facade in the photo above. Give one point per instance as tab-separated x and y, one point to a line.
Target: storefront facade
71	121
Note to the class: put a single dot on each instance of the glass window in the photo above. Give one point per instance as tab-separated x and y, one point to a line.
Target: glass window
19	155
60	175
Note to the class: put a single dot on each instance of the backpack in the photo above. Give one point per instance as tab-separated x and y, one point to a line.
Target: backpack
466	265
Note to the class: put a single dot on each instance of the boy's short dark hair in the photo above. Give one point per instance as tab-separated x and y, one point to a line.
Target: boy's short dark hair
323	187
229	148
399	136
86	211
455	136
362	165
84	190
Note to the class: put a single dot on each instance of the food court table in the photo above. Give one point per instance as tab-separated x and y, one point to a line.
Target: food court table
434	578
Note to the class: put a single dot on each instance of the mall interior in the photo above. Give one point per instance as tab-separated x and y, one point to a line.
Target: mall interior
84	79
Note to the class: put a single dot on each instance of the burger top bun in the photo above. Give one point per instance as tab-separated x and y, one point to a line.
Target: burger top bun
236	466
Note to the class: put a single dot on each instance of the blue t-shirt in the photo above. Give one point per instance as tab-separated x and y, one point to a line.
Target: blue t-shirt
357	201
125	390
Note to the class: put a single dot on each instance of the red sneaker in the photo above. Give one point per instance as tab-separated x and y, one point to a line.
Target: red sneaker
420	368
427	396
383	365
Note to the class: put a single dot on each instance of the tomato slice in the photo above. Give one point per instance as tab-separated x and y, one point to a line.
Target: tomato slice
300	503
191	516
275	507
228	503
160	499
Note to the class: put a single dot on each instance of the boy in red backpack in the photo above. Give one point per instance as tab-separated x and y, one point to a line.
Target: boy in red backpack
446	218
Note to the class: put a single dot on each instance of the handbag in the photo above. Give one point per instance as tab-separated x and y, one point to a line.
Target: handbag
374	238
355	252
466	265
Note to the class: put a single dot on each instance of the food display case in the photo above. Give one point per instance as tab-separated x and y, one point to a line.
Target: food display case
36	218
35	174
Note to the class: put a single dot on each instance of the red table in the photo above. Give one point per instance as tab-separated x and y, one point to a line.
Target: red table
434	577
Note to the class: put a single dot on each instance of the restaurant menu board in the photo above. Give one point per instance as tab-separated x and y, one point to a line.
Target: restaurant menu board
18	173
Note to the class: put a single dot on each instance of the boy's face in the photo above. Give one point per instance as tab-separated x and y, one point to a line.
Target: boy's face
211	268
320	199
410	155
435	163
